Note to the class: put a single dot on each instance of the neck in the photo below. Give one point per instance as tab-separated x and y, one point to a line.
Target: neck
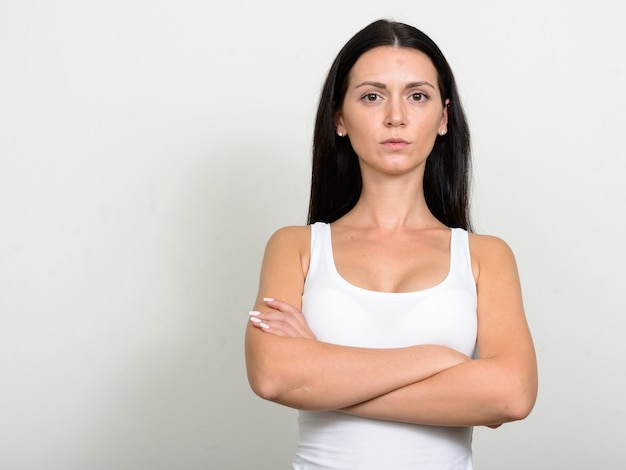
392	204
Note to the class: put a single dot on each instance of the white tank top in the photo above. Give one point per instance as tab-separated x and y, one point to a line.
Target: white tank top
341	313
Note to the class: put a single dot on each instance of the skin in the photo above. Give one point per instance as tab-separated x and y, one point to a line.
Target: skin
390	242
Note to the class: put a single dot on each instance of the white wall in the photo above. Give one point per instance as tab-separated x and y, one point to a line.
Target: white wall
149	148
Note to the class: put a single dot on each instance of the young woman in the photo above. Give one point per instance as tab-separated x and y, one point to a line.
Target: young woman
390	326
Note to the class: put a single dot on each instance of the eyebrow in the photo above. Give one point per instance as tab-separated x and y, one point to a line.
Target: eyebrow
384	87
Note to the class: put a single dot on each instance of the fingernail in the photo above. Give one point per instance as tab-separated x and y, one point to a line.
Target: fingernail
255	320
254	312
264	325
268	299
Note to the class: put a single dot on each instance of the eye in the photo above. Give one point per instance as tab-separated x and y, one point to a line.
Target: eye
419	97
371	97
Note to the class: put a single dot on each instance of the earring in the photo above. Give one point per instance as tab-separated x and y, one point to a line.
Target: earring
443	132
340	134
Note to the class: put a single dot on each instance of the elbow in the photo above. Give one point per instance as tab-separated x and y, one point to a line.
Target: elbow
263	386
272	385
267	391
274	376
519	410
519	400
281	391
264	373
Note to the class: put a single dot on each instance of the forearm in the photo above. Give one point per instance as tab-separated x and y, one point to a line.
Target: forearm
478	392
308	374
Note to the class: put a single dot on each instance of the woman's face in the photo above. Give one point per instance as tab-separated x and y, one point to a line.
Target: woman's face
392	110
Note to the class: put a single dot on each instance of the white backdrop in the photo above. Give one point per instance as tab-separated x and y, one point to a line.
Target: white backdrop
149	148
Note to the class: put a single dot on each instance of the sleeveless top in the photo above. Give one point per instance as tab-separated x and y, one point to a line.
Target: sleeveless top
341	313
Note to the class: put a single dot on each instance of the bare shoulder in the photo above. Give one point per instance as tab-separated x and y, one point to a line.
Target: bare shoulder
488	245
290	243
294	236
490	253
285	265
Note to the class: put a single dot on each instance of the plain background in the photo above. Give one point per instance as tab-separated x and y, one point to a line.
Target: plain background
149	148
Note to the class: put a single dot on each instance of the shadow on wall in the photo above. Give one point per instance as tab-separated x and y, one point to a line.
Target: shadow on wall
182	400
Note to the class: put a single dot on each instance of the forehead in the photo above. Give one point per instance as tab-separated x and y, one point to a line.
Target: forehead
388	63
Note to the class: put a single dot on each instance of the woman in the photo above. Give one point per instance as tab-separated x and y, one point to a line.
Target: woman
393	329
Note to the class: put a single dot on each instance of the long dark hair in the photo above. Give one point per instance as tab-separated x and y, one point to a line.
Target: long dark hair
336	177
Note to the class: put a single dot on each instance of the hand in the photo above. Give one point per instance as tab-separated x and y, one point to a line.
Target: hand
284	320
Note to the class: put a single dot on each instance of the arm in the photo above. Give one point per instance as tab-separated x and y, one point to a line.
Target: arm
499	386
297	370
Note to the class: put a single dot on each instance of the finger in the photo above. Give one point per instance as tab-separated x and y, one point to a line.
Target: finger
292	323
282	324
273	316
288	320
258	322
281	306
263	320
286	308
274	329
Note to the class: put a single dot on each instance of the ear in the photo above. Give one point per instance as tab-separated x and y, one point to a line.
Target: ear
443	125
339	126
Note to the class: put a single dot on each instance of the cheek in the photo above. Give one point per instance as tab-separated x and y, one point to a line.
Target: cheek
428	131
429	122
361	139
359	135
359	145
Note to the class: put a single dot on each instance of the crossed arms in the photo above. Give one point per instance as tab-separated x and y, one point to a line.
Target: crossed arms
424	384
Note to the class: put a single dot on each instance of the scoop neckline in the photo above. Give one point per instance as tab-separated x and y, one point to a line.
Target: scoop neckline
429	290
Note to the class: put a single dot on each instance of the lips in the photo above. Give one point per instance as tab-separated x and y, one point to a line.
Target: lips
394	143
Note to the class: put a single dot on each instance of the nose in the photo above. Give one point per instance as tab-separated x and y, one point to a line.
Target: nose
396	115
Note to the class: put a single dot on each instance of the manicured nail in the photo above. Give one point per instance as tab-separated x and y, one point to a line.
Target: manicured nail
254	313
255	320
264	325
268	299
